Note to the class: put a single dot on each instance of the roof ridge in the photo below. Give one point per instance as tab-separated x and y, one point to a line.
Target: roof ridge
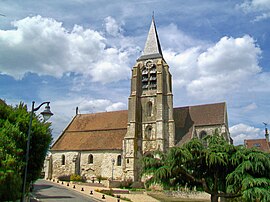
124	110
217	103
72	131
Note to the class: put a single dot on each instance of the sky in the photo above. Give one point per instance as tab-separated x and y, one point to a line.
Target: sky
79	53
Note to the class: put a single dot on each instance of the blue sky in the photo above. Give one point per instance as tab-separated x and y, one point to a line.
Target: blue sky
80	53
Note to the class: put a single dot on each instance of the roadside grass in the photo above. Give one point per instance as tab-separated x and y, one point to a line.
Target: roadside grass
161	196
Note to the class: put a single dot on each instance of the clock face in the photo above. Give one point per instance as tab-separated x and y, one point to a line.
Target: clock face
148	63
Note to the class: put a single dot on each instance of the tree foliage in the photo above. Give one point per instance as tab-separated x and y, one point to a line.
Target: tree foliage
14	123
220	169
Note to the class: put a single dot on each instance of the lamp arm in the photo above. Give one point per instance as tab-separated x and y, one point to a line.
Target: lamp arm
37	108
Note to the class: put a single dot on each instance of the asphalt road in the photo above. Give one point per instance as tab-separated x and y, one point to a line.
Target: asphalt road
50	192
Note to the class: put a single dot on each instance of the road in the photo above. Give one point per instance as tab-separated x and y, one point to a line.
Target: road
46	191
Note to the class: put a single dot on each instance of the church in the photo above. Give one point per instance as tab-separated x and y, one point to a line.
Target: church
110	144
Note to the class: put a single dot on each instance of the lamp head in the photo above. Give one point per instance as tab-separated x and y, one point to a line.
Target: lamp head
47	112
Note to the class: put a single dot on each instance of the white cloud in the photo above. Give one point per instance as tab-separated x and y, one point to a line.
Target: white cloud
65	109
209	74
99	105
260	7
116	106
262	17
250	107
241	131
225	67
183	66
43	46
255	5
173	38
112	27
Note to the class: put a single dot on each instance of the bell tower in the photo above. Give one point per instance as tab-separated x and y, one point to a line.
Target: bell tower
150	107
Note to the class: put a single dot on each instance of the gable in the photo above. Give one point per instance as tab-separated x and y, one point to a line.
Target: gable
200	115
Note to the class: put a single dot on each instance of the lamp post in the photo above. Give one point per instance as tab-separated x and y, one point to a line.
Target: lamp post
46	115
113	161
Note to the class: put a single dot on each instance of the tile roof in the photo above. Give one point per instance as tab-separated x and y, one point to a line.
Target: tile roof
106	130
94	132
200	115
261	144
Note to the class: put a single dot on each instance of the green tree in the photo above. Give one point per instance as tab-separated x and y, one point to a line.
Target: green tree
220	169
14	123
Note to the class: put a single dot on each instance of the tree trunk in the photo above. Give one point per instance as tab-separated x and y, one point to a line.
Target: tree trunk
214	198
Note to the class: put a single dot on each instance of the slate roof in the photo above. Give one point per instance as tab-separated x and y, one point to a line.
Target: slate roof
106	130
152	48
261	144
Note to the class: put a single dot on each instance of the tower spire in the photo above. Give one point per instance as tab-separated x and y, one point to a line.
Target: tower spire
152	48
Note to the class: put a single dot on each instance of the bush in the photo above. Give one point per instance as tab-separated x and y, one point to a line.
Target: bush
107	192
64	178
77	178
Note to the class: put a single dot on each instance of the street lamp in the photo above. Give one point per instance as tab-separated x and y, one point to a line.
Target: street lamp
113	161
46	115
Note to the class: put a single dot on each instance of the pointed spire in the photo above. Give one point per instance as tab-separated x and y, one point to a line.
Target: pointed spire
152	48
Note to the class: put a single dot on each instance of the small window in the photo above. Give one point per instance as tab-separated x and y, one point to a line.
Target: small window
90	159
149	109
257	145
63	159
127	160
203	134
119	159
148	132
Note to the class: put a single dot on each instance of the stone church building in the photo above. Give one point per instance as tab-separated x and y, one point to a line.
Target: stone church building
110	144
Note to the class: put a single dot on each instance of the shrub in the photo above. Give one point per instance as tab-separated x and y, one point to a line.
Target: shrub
77	178
107	192
64	178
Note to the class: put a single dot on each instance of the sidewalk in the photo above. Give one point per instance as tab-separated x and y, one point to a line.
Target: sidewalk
90	191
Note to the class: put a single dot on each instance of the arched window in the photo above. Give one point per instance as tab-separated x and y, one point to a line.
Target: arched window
63	159
149	108
90	159
119	159
203	134
148	132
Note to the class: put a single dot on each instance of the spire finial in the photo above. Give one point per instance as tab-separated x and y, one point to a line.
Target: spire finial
153	15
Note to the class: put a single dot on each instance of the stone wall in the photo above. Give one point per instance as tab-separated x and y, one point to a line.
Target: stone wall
102	164
68	168
210	130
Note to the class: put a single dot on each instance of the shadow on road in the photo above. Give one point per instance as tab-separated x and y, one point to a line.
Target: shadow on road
40	196
39	187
